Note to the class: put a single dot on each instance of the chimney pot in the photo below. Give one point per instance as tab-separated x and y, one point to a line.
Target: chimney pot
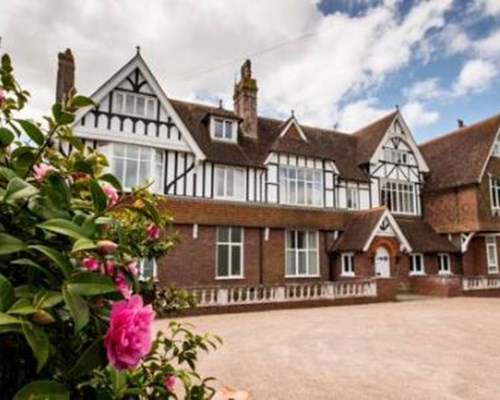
65	75
245	100
460	123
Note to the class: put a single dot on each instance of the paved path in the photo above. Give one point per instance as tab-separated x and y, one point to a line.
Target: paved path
430	349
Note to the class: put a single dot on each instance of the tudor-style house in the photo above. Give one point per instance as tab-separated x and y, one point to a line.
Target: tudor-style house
258	201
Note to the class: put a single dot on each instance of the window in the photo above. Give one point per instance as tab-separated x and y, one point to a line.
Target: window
491	254
496	148
347	264
495	193
417	264
223	129
444	264
229	252
230	183
137	165
148	268
396	156
134	104
399	197
352	198
301	253
301	186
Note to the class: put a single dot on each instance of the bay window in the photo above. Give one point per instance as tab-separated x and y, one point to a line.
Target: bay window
230	183
301	253
136	165
229	252
300	186
398	196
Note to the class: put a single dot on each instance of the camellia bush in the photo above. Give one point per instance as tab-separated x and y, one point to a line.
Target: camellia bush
73	322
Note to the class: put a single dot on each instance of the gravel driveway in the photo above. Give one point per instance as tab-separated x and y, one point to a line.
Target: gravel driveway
422	349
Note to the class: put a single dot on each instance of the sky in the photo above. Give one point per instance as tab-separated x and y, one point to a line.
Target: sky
336	63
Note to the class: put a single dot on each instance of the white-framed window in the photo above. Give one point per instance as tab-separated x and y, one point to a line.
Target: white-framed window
301	253
495	193
135	104
352	198
301	186
417	264
148	268
347	264
229	253
224	129
397	156
230	183
444	264
496	148
136	165
491	254
398	196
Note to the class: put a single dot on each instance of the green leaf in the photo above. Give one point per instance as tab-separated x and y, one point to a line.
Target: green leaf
110	178
22	307
6	293
6	137
82	245
57	257
73	140
30	263
90	359
23	159
63	227
43	390
10	244
90	284
82	101
58	190
118	379
6	319
39	343
46	299
7	173
98	196
6	63
82	166
19	189
77	307
32	130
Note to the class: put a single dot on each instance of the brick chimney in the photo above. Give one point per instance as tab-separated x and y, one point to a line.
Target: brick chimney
65	75
245	100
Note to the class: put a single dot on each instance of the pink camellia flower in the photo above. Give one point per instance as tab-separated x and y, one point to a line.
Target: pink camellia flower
132	267
110	192
153	231
109	267
40	170
122	285
91	263
106	246
169	382
79	175
128	338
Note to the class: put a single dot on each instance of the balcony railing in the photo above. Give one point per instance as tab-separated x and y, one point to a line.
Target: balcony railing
262	294
481	283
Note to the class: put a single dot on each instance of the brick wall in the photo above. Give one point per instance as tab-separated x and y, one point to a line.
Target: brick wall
444	286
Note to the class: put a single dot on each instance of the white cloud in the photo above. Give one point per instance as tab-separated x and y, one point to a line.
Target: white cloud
424	90
489	7
489	47
360	113
475	75
415	114
349	55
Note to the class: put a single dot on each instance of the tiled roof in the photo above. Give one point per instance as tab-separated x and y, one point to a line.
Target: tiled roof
321	143
369	137
458	158
358	230
424	239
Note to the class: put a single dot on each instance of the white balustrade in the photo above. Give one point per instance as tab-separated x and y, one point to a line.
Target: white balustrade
480	283
263	294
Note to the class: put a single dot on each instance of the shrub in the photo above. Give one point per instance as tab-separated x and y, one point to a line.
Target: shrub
72	319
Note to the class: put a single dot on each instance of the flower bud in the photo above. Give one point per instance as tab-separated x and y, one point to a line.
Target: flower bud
106	246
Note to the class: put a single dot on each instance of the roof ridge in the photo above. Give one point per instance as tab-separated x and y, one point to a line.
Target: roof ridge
462	130
358	131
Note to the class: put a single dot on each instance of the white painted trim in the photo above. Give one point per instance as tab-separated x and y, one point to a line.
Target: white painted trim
495	247
293	121
465	239
234	129
195	231
481	175
308	275
417	273
242	252
405	245
138	62
141	267
441	272
343	269
266	234
409	140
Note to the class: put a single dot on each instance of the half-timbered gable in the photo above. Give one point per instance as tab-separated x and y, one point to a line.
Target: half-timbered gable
395	164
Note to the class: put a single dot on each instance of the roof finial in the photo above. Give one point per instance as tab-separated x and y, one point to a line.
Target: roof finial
397	107
292	111
138	48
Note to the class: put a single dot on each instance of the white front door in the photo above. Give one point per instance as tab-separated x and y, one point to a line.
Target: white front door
382	263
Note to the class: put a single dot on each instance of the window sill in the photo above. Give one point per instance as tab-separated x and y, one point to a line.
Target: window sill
418	274
350	275
445	273
228	278
302	276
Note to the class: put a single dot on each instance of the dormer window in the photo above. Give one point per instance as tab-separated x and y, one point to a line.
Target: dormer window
223	129
134	104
